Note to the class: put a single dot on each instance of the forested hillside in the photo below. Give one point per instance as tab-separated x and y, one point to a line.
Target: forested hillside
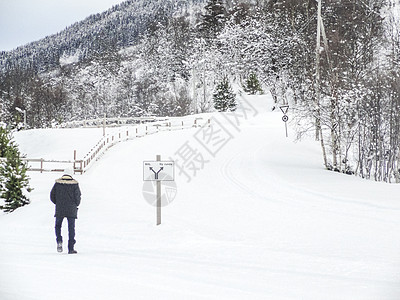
166	57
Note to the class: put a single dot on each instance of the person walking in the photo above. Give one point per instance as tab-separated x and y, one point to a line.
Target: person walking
66	195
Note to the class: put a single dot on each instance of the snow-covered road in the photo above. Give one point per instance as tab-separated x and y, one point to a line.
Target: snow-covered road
261	219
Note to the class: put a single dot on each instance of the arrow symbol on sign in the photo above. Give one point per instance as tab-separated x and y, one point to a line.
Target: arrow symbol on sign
156	173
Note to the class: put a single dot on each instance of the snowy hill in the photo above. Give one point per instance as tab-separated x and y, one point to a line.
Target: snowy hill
259	219
120	26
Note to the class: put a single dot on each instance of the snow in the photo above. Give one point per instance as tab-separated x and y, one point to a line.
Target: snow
261	219
57	144
69	59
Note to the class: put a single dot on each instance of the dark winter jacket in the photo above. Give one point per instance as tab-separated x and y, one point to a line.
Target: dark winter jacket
66	195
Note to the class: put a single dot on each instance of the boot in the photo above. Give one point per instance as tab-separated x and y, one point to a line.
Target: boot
71	244
59	247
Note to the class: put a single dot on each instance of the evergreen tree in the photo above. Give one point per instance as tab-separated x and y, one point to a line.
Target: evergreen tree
4	140
252	85
213	20
14	182
224	97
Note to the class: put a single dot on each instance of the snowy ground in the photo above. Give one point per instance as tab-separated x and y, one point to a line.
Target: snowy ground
260	220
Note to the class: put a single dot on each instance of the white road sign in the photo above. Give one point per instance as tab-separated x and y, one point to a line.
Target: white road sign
158	171
284	108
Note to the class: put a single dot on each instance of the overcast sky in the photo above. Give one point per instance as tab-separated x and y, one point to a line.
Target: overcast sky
24	21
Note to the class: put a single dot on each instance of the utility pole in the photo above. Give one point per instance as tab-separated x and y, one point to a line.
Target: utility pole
318	75
318	130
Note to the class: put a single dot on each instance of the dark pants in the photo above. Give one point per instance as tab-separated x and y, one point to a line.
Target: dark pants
71	231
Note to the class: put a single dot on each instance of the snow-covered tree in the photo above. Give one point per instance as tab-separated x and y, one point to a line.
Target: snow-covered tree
252	85
224	97
14	182
213	19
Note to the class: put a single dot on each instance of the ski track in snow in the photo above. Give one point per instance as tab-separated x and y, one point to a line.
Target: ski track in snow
262	220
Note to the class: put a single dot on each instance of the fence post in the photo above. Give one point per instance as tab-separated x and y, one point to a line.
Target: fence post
41	165
74	161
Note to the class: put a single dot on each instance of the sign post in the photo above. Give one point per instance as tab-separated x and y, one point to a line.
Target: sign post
285	118
158	171
158	158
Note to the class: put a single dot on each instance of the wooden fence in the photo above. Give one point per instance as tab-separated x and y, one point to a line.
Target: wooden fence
44	165
80	166
110	122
